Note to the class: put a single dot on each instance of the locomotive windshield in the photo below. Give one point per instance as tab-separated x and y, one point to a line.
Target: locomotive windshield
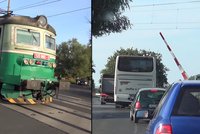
50	42
28	37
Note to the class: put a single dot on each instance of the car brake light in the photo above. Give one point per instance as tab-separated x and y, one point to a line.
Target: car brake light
164	129
154	90
103	94
137	105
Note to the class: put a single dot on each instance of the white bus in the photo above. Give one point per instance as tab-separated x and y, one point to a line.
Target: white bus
131	74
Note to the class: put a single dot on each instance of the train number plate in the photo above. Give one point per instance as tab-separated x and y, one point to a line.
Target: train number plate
41	56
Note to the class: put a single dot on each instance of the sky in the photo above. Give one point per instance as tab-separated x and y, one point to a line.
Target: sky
70	18
179	22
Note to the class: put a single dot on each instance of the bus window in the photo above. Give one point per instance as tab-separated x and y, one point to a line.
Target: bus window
136	64
50	42
28	37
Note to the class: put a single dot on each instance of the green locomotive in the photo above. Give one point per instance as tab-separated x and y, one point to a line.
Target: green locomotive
27	59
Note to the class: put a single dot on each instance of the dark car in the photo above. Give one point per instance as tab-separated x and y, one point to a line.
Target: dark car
82	82
145	102
179	110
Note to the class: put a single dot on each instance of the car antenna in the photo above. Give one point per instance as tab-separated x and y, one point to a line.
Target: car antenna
184	74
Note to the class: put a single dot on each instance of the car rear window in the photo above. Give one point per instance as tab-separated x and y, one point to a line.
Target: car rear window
187	103
150	97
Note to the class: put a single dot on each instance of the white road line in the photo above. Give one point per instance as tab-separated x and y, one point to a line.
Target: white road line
71	110
81	102
52	122
72	97
74	104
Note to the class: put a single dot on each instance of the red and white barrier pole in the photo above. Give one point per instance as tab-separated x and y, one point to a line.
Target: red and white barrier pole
184	74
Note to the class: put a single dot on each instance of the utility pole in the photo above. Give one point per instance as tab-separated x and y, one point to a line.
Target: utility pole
8	10
184	74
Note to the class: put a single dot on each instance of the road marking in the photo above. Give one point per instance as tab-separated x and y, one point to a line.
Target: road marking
81	102
71	110
74	104
63	121
62	116
72	97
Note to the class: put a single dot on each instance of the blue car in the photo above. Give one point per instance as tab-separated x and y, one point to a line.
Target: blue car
178	111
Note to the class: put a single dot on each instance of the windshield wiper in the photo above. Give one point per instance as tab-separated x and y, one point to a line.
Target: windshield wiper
33	36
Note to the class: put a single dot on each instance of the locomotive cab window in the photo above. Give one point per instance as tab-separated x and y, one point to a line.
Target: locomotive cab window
0	33
50	42
1	30
28	37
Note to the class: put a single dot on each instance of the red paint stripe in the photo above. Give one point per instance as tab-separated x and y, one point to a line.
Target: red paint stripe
184	75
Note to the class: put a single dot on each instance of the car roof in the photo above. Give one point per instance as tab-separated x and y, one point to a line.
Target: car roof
152	88
188	82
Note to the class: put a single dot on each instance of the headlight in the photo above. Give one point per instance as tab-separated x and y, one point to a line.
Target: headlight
50	64
42	21
54	65
26	61
31	61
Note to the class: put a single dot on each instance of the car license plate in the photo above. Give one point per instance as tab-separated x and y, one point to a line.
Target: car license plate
152	105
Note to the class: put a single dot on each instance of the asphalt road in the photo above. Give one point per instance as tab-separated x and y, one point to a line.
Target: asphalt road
70	113
106	119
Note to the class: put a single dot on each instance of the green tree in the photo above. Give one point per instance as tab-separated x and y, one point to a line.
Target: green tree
160	68
107	17
74	59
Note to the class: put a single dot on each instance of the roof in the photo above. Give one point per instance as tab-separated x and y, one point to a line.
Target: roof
25	20
188	82
153	88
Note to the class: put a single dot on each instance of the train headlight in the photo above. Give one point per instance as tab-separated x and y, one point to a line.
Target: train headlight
42	21
26	61
31	61
54	65
50	64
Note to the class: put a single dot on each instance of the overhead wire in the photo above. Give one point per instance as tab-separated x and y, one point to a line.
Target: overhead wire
164	28
76	10
178	24
164	4
25	6
3	1
36	5
45	2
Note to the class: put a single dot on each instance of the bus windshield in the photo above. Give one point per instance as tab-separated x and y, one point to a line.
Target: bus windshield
135	64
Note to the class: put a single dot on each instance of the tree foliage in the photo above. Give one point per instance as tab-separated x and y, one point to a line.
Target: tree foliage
107	17
74	59
161	75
